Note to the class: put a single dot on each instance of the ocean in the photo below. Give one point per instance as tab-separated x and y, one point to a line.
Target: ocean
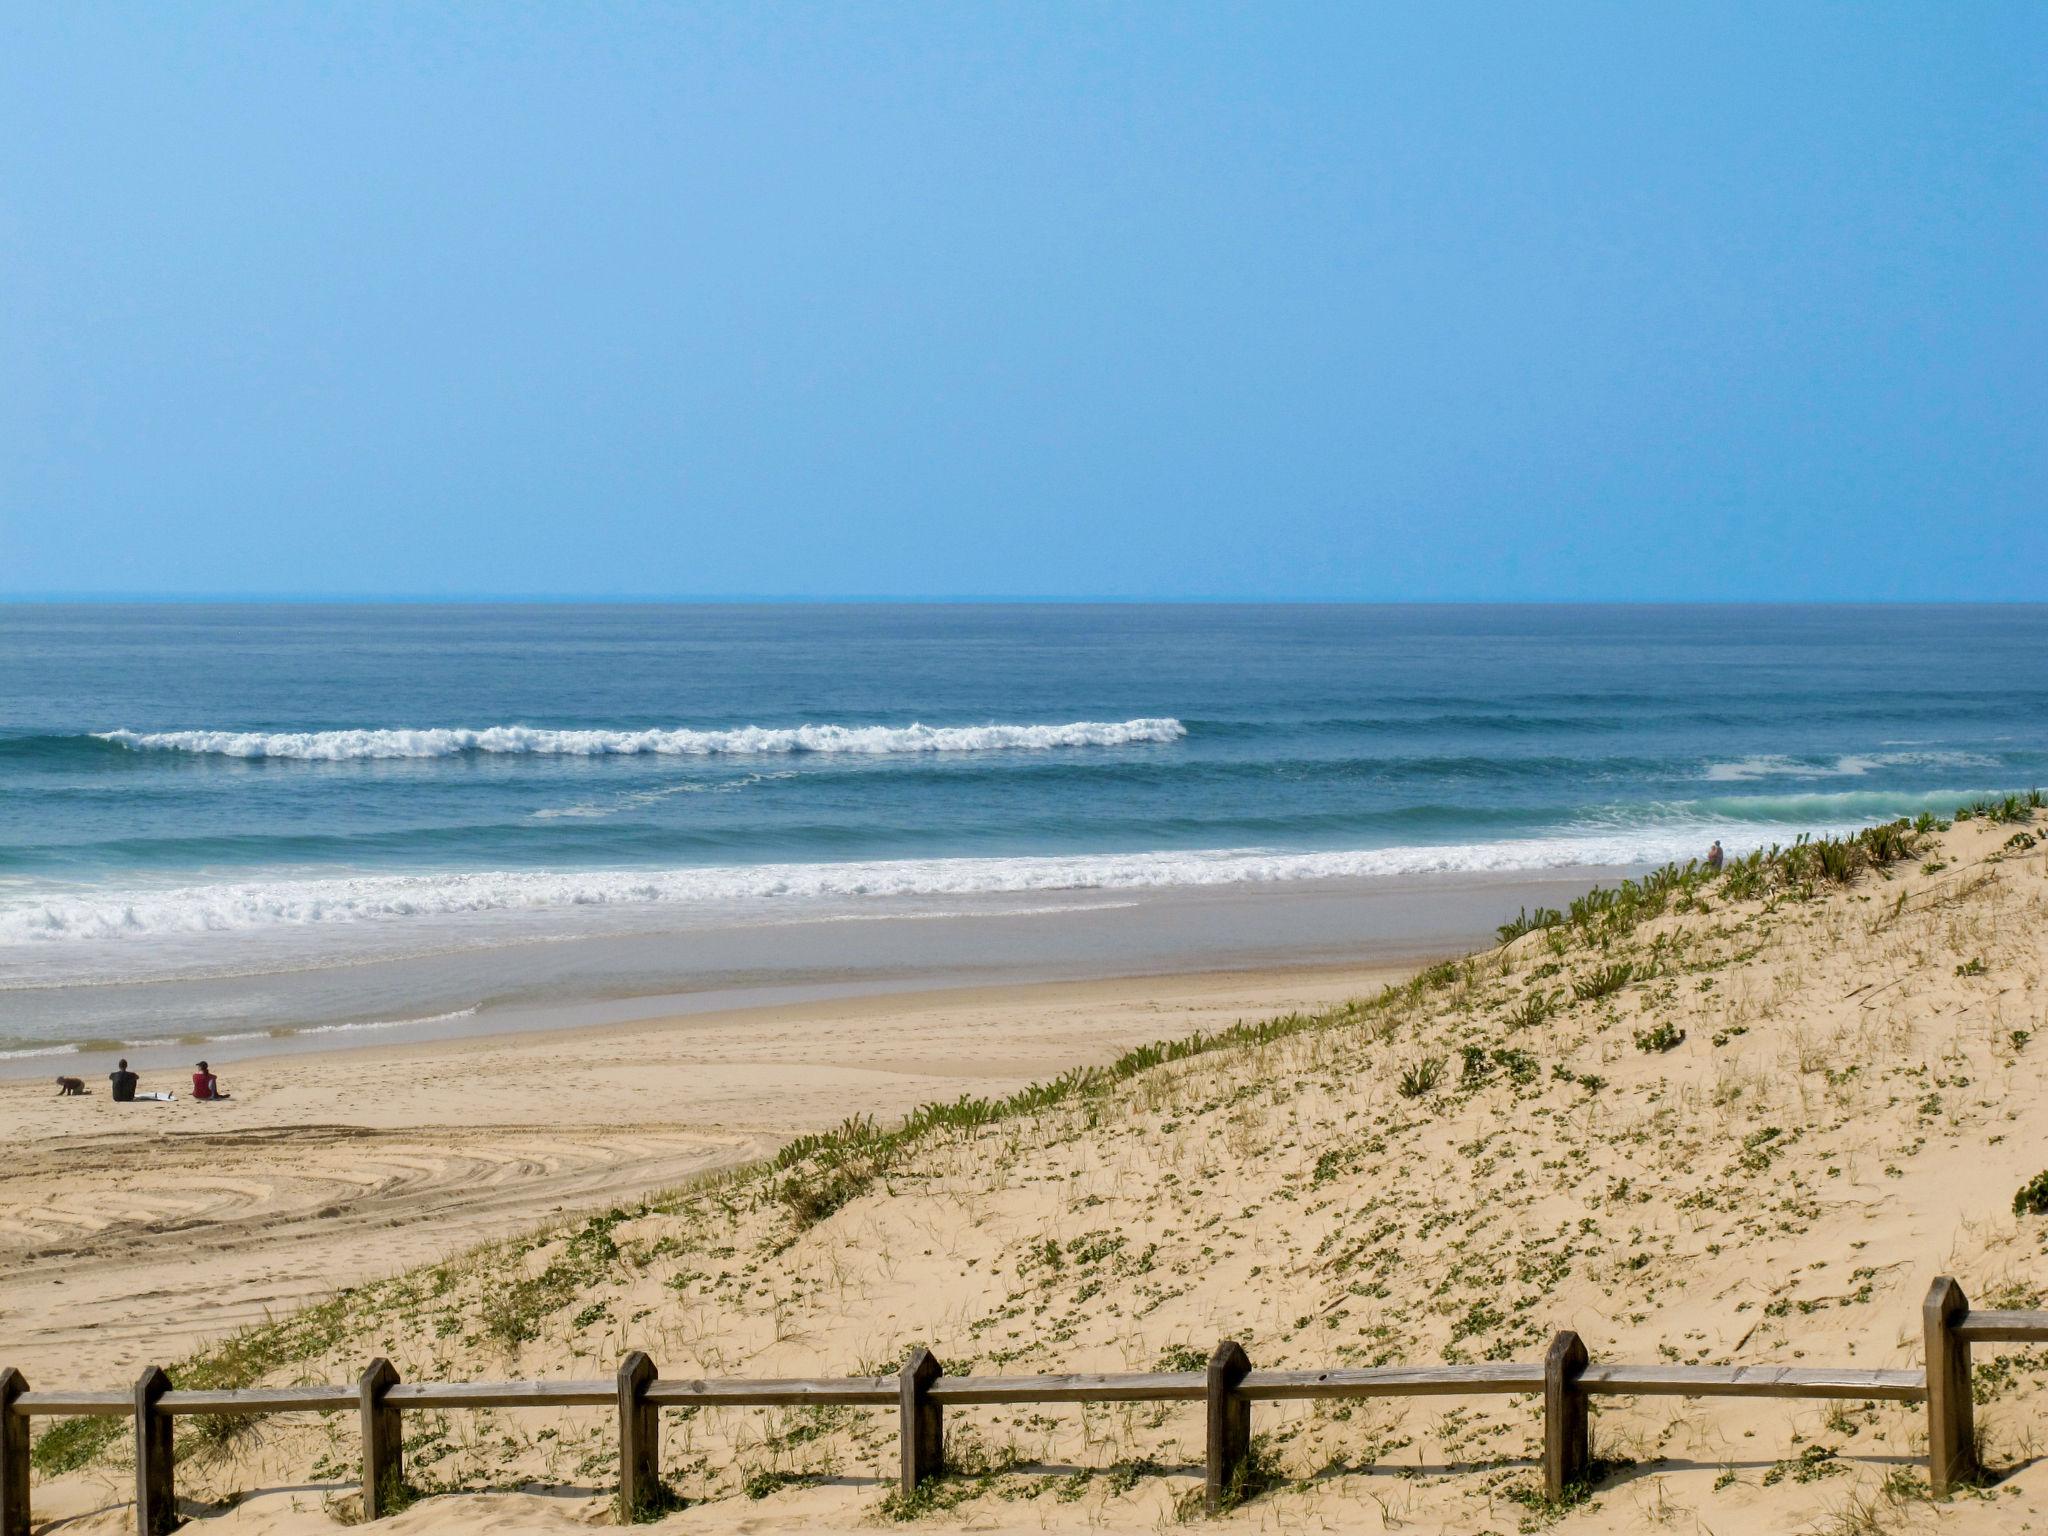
253	823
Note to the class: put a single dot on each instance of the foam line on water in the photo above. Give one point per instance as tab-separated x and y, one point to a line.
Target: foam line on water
1772	765
536	741
351	1028
269	904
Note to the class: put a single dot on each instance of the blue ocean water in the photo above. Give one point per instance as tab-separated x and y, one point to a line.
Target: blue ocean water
221	790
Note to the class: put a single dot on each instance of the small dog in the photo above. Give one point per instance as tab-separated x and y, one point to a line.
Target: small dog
70	1087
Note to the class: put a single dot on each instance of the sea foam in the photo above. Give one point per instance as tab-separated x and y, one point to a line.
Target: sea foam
272	904
1760	766
537	741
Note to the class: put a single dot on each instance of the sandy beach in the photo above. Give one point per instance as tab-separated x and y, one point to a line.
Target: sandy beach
1741	1122
138	1232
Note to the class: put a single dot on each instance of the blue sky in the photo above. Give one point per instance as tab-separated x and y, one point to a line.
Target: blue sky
1379	301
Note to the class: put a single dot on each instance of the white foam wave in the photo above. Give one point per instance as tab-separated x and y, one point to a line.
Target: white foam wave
39	1050
1847	766
252	906
526	740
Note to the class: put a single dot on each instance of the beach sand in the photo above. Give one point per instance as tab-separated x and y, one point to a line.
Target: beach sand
131	1233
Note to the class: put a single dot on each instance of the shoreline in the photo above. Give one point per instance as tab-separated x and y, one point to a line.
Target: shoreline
597	1021
885	947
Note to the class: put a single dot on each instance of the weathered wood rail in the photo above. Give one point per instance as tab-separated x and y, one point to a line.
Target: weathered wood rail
1566	1379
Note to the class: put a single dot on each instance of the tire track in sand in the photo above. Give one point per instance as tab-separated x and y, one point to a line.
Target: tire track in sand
115	1252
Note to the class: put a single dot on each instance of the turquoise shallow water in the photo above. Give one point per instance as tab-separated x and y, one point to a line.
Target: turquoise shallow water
222	790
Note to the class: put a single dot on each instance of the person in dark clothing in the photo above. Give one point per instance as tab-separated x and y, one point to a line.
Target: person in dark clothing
1714	856
124	1083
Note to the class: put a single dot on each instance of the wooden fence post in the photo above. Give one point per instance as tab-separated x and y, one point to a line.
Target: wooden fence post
1230	1424
156	1498
1567	1443
640	1492
921	1424
383	1440
14	1438
1951	1436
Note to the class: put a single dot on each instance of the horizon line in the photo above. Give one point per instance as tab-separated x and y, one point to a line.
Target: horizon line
857	599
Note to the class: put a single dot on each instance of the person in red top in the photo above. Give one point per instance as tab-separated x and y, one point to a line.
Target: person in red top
205	1085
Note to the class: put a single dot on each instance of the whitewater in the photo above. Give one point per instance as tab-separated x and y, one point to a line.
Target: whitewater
248	906
535	741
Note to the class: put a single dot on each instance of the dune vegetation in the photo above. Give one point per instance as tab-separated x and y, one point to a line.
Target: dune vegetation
1738	1116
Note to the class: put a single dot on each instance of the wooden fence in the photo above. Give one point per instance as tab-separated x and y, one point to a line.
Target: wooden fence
1566	1379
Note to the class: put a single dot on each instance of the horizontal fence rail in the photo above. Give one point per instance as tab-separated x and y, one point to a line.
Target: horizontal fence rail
1749	1381
2003	1327
1566	1380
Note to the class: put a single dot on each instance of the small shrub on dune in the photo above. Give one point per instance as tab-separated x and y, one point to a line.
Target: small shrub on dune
809	1200
760	1484
1529	922
838	1167
1837	861
1662	1038
1477	1068
2032	1199
1420	1077
1520	1066
2004	808
70	1444
1255	1474
1604	982
1745	878
1887	844
1437	976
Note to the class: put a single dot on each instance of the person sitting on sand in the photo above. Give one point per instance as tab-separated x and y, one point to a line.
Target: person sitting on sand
124	1083
1714	856
205	1085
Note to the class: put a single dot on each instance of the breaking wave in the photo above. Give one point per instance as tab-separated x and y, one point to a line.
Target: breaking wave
536	741
255	905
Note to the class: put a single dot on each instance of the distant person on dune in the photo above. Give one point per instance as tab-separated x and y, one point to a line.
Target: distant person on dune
124	1083
1714	857
205	1085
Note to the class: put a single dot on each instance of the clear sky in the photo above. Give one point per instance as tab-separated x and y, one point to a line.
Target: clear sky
1389	301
